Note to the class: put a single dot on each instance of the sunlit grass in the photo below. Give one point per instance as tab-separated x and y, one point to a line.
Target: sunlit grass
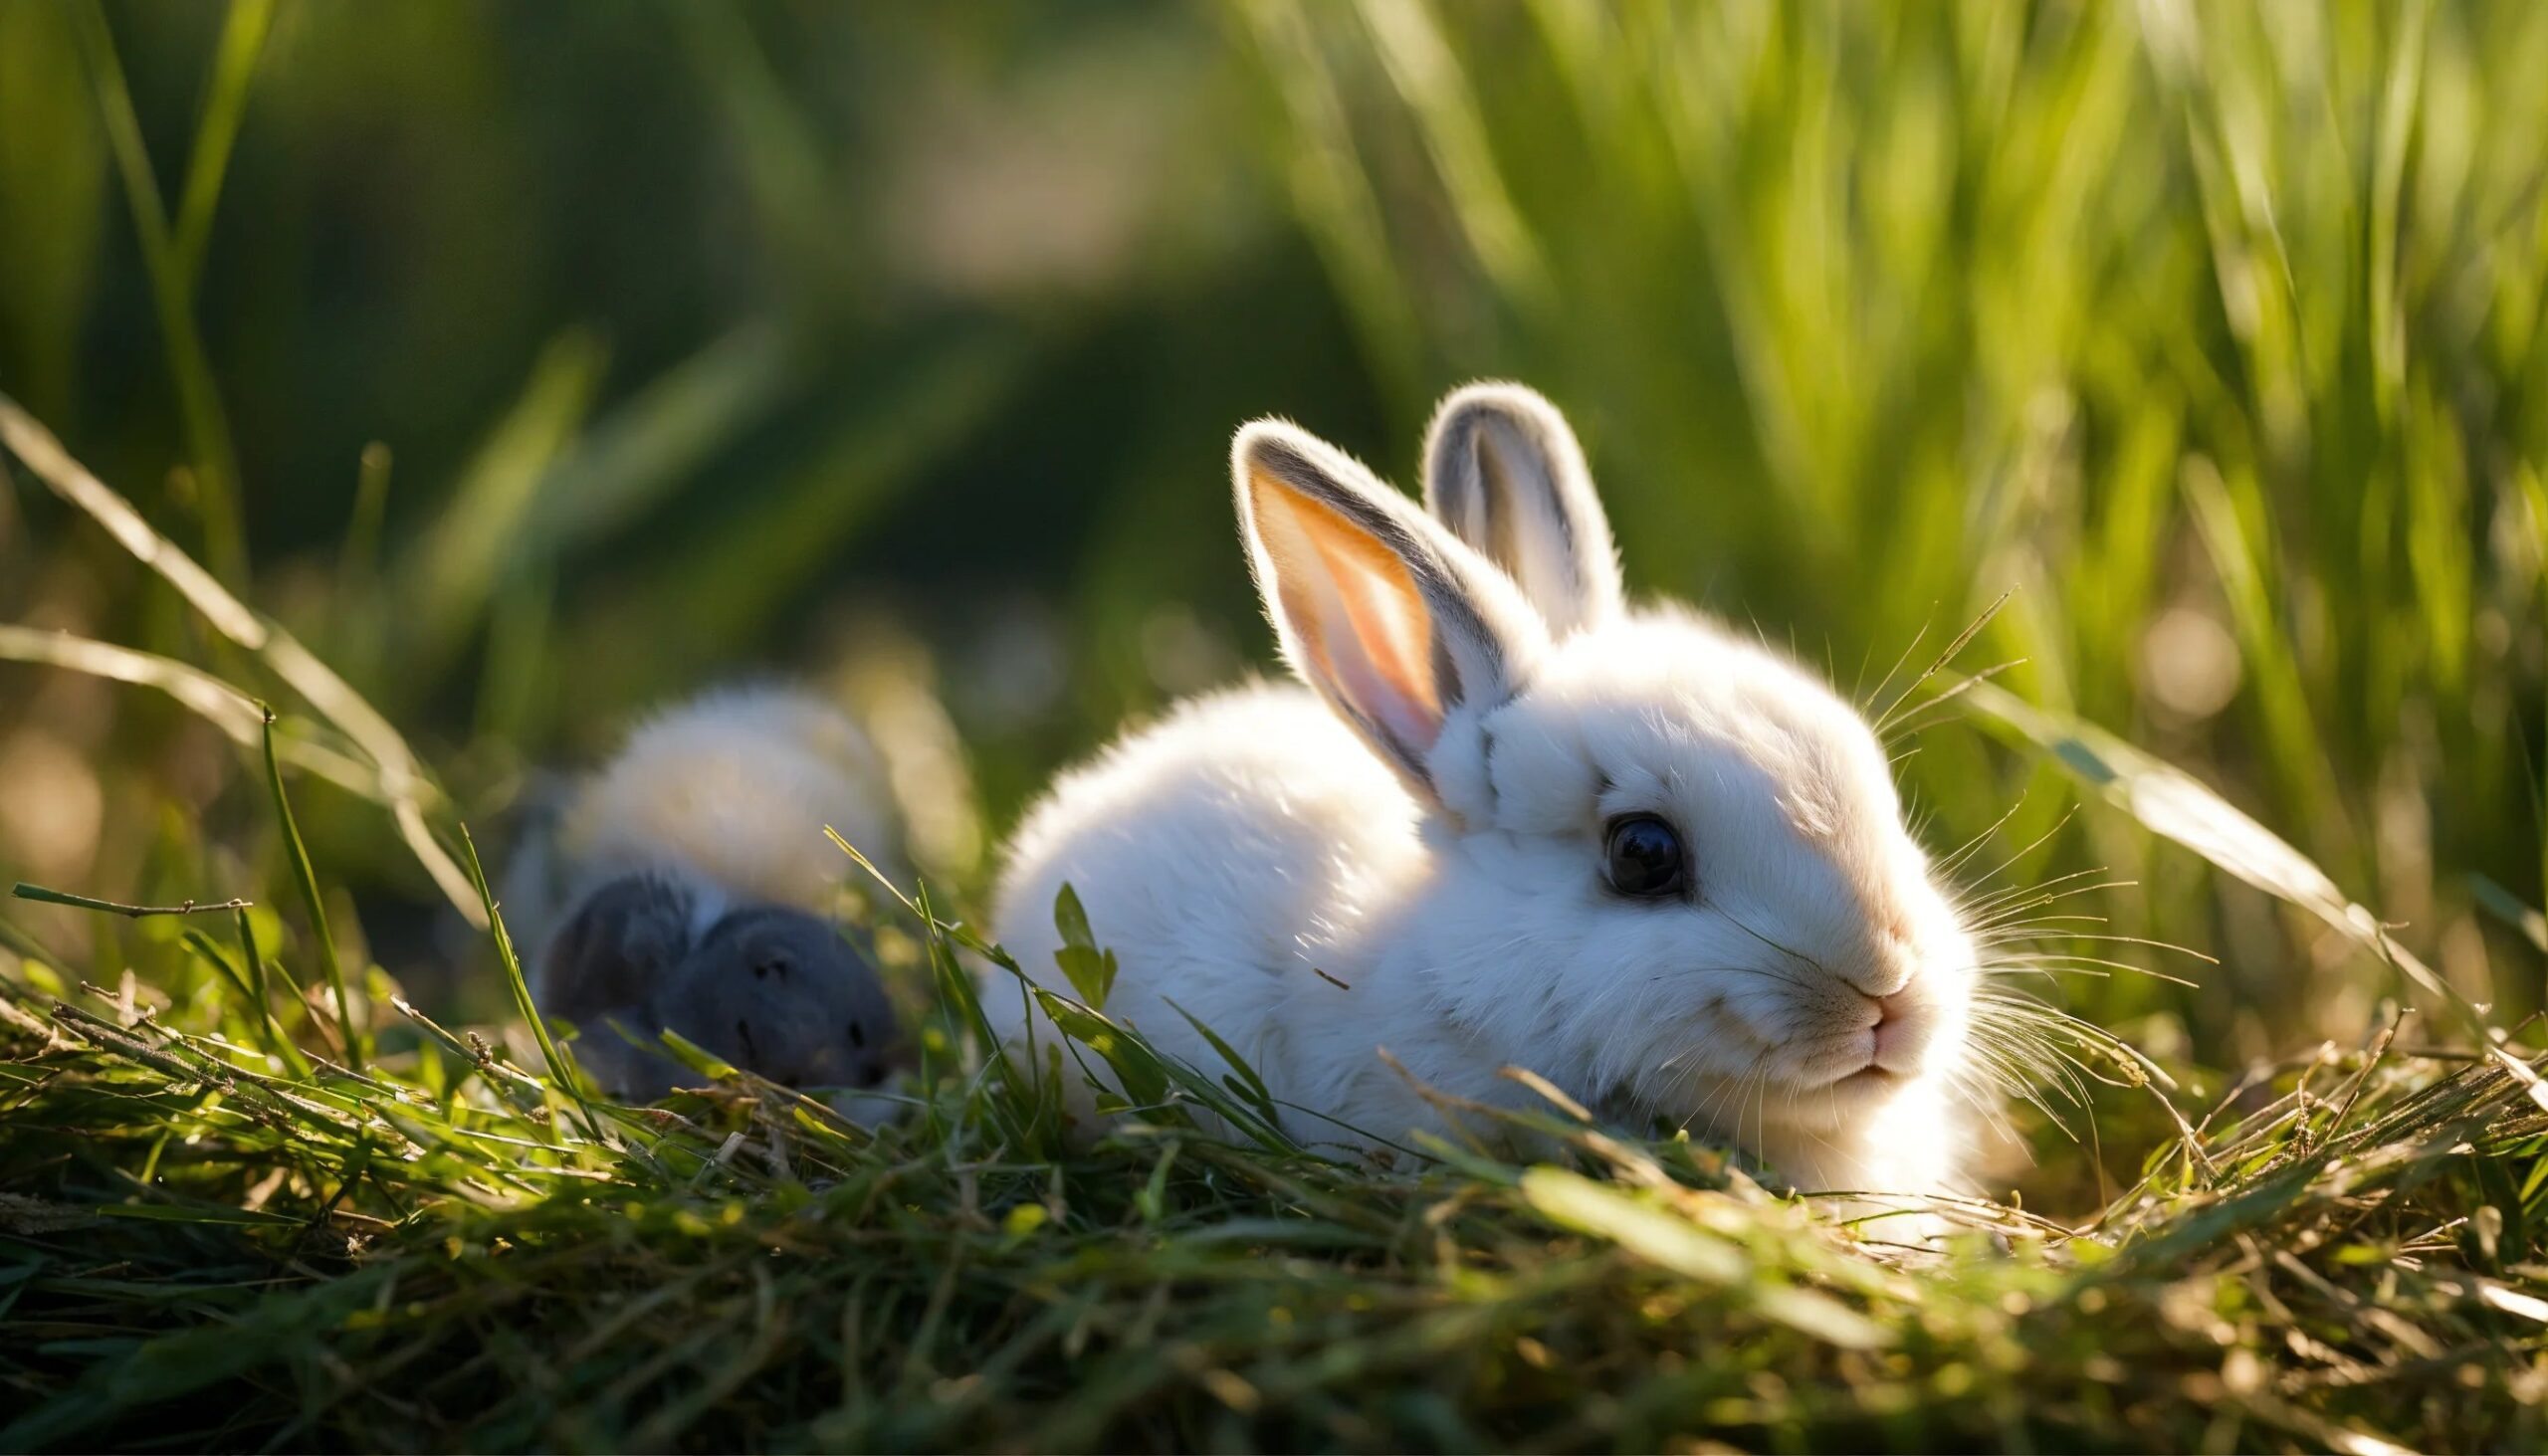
455	1251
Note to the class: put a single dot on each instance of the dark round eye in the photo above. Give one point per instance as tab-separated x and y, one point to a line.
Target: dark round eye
775	966
1644	857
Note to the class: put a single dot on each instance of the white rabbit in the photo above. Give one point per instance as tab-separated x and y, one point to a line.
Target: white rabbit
1508	821
688	884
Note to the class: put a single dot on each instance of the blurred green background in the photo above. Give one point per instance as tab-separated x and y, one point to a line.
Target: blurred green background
535	364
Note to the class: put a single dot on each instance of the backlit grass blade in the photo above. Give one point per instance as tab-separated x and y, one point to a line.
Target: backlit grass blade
460	564
405	785
238	716
234	68
260	996
216	462
356	1041
2173	806
562	1073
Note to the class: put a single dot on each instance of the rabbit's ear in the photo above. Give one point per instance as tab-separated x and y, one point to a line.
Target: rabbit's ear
615	951
1404	630
1503	472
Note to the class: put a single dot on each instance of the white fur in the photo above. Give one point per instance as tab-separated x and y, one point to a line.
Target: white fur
728	794
1257	838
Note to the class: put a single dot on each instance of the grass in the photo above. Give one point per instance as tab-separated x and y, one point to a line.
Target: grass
203	1247
458	1252
2211	332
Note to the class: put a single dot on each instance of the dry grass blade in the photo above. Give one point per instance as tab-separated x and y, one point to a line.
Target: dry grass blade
403	780
39	893
238	716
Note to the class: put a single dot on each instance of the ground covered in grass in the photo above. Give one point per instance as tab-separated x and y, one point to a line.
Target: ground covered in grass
216	1232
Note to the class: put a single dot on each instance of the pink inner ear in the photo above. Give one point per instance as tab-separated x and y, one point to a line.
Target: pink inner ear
1354	608
1388	672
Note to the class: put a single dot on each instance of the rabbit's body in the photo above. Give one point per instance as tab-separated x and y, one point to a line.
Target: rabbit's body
1243	845
688	884
1511	823
732	789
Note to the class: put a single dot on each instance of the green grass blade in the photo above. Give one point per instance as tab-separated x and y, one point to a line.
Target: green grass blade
460	564
561	1071
357	1040
234	69
207	424
2173	804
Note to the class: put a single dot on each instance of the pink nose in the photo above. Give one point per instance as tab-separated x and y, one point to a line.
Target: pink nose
1893	1023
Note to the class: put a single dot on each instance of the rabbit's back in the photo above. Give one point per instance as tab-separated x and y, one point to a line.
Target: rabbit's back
738	786
1227	855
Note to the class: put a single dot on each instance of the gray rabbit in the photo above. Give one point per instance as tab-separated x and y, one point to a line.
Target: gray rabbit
687	885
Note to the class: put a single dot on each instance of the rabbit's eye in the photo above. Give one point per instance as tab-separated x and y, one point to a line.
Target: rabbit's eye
1644	857
775	966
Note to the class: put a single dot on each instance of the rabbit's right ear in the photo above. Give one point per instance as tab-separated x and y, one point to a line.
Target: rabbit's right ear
1405	632
613	954
1503	471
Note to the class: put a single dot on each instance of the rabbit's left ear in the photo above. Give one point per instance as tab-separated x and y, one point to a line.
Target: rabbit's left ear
1503	471
1407	634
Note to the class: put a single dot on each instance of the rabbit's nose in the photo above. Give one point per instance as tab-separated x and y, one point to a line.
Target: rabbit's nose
1898	1026
828	1067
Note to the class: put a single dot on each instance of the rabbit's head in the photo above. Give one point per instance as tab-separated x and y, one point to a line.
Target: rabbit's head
781	991
1668	867
769	988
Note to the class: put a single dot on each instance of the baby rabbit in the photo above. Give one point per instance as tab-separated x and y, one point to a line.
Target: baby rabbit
1506	820
687	886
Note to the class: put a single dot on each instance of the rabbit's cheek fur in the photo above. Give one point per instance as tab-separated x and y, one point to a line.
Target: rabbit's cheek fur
1772	981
